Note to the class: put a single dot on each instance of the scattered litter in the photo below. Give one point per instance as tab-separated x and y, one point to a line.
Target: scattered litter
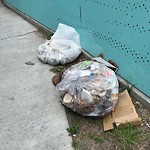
123	114
29	63
101	55
89	88
137	103
148	125
56	79
64	46
109	64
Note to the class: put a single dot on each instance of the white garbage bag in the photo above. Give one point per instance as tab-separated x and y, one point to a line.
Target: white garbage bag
64	46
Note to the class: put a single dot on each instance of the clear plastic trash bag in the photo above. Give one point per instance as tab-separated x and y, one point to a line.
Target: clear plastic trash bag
89	88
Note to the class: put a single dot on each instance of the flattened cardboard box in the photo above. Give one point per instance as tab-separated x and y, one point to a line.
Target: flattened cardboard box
124	113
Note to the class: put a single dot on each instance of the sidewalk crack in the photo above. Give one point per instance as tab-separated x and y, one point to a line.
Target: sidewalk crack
20	35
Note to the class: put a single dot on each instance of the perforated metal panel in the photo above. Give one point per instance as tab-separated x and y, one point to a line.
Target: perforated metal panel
120	29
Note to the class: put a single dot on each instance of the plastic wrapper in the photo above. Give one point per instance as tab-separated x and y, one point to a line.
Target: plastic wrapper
64	46
89	88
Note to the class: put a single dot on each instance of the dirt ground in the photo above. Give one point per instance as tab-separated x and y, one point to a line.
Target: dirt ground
90	134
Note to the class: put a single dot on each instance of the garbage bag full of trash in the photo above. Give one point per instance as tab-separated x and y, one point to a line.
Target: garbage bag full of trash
89	88
64	46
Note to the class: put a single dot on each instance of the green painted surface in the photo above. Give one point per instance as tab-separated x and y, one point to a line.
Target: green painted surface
119	29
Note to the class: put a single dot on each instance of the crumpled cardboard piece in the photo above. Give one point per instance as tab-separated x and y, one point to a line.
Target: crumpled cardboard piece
123	114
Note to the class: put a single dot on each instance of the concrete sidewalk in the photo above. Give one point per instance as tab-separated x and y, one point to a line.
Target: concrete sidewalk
31	116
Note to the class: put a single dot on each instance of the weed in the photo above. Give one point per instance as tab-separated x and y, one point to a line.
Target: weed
73	129
127	136
95	137
129	89
96	121
75	144
145	136
77	117
48	35
56	69
99	139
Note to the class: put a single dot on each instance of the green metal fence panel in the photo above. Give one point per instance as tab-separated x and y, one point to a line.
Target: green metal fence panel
120	29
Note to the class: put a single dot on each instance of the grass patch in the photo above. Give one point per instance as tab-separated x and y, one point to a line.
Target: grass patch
75	144
145	136
127	136
73	129
96	121
56	69
77	117
95	137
